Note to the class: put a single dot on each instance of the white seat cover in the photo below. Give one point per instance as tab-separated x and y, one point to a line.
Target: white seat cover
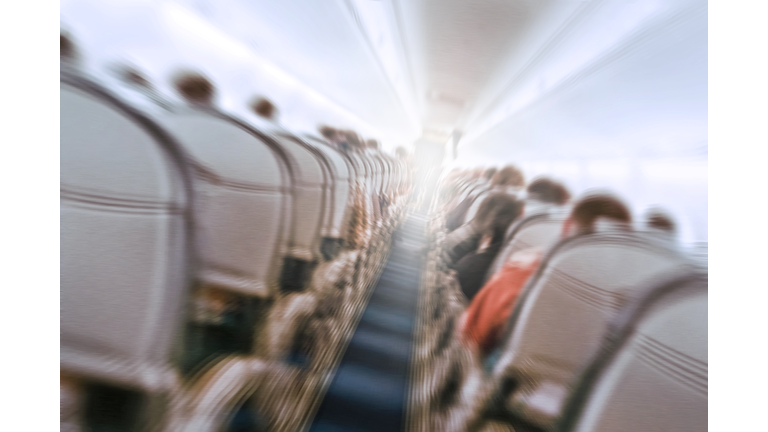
310	190
342	175
541	231
658	379
241	203
124	251
391	174
566	310
380	170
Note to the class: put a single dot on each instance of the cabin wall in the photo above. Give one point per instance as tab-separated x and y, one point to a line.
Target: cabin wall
311	61
633	120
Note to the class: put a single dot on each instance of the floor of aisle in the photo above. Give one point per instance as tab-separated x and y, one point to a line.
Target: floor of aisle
370	389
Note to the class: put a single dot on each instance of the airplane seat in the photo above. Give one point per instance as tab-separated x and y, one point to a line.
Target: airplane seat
652	371
563	312
383	188
308	311
271	391
334	227
336	180
446	304
126	252
542	230
310	194
386	191
373	182
243	203
360	218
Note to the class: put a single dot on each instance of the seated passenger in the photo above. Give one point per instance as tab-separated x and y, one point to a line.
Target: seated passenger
466	239
507	180
196	89
543	194
483	322
503	209
661	223
489	173
268	115
68	55
331	135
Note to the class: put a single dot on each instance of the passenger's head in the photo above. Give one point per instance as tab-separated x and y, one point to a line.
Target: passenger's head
489	173
195	88
328	133
589	209
509	176
132	76
548	191
372	144
353	140
66	48
496	213
263	107
658	219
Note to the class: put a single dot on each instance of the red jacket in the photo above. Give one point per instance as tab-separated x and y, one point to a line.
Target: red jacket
484	320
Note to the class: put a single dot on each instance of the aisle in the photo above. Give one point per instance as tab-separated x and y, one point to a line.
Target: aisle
370	388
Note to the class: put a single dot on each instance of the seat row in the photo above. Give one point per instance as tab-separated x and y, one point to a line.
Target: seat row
194	243
610	333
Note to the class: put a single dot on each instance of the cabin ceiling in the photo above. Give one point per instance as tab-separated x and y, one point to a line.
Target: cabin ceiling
408	68
457	47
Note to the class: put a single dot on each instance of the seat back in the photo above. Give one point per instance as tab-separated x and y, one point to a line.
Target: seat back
243	202
652	372
311	189
125	238
381	169
565	309
538	230
393	174
331	174
364	176
342	174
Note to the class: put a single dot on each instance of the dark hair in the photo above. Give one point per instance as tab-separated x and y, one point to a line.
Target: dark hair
548	190
327	132
496	213
508	176
195	87
133	76
590	208
372	143
66	47
489	173
659	219
264	108
353	140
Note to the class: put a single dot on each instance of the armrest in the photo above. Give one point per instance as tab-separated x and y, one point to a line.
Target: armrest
538	402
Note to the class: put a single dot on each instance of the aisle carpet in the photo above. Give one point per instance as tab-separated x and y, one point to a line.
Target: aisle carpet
370	389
